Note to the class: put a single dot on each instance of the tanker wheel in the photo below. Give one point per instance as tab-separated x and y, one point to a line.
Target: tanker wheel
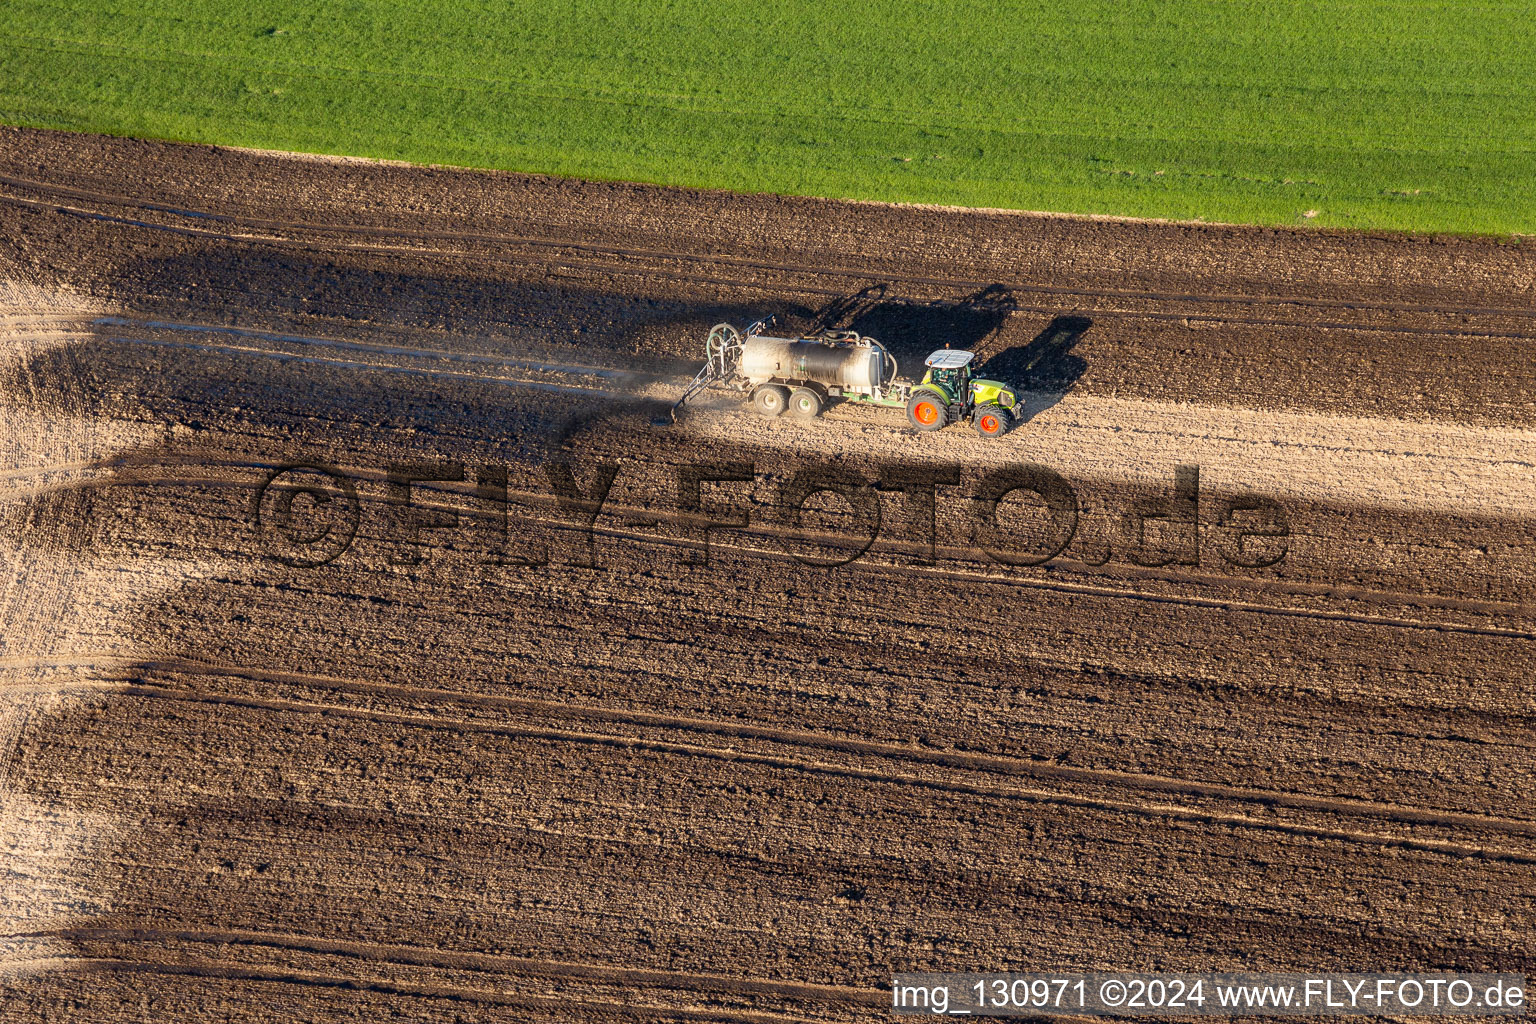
991	420
805	402
770	399
927	412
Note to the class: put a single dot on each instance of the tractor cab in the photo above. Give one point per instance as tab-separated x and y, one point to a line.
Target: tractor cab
950	369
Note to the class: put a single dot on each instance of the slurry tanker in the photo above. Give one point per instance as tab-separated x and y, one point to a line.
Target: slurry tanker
805	374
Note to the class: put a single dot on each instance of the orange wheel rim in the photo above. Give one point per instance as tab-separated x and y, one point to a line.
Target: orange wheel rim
926	413
989	424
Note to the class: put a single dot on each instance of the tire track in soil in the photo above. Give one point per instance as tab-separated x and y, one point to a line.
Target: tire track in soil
858	275
210	471
137	478
800	288
620	1006
778	736
469	960
857	773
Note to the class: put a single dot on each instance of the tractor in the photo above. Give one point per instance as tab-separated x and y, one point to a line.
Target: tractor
803	374
948	393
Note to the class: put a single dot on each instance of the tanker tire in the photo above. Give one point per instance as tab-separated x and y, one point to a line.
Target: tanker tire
991	420
805	402
770	399
927	412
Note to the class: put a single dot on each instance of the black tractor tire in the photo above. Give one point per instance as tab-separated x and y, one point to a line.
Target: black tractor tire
770	399
805	403
991	420
927	411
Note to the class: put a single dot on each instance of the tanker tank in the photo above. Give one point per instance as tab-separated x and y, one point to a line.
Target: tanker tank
852	364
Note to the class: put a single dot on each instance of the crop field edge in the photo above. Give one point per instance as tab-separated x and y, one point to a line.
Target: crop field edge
1367	116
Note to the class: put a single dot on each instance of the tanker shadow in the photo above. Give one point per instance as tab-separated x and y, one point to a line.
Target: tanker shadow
1047	367
911	329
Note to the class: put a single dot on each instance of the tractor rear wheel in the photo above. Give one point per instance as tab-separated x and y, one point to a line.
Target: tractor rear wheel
991	420
927	411
770	399
805	402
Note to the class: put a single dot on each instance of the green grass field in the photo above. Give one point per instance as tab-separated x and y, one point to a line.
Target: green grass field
1360	113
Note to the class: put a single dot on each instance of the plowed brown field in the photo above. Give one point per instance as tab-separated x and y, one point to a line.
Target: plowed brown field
682	773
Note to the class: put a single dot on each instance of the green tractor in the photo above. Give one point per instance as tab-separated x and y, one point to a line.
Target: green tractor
948	394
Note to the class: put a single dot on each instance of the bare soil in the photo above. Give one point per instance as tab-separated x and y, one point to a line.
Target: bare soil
425	781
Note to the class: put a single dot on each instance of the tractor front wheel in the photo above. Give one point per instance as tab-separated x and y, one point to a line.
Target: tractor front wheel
770	399
927	412
991	420
805	402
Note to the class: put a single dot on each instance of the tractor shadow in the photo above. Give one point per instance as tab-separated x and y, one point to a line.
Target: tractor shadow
1047	367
